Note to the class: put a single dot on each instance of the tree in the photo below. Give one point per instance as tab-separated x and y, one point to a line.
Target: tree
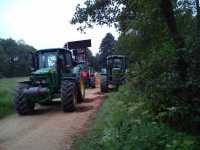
106	48
91	58
99	12
168	13
161	38
3	61
15	58
97	62
198	12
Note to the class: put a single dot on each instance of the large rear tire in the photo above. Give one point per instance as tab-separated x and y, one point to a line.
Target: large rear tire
104	84
81	91
68	96
23	105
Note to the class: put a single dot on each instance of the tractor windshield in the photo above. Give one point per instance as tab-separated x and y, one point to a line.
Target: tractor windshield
47	60
115	63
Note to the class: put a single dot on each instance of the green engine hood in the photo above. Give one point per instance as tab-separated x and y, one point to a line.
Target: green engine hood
44	71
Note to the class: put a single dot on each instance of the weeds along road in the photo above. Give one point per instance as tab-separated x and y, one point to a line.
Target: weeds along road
49	128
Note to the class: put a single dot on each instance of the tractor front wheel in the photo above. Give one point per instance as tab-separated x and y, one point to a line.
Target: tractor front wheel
68	96
104	84
23	105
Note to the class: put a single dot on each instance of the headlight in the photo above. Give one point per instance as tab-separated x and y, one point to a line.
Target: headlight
43	81
37	82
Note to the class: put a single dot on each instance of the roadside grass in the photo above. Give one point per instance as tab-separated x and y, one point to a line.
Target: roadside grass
7	88
126	123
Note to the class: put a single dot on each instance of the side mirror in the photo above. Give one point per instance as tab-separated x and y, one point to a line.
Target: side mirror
32	69
75	63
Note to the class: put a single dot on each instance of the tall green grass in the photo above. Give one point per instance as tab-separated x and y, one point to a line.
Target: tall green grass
125	122
7	89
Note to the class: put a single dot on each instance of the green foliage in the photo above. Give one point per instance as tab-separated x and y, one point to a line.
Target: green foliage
7	88
91	58
97	11
125	122
158	68
161	40
15	58
106	48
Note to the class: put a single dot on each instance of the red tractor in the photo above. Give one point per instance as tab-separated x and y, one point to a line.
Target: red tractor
80	56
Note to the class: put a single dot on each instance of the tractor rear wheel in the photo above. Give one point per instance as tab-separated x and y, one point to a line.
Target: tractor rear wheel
23	105
104	84
68	96
81	91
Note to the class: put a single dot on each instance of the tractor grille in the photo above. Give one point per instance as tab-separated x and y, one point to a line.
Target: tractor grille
40	80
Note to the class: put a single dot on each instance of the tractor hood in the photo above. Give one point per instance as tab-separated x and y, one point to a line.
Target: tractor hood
44	71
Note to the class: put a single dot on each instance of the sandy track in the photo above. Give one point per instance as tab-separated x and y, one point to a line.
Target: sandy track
49	128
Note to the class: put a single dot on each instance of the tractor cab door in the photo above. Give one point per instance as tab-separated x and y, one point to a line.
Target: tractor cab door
64	64
68	62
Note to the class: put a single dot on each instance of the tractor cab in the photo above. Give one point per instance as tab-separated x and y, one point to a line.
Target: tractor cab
114	73
48	63
53	59
116	64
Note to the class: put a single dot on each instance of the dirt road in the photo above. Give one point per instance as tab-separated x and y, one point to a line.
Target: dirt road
49	128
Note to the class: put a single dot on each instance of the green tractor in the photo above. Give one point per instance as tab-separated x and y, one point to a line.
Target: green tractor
114	73
55	75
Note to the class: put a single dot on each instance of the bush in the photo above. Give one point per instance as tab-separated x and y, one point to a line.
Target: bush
7	89
173	96
6	105
125	122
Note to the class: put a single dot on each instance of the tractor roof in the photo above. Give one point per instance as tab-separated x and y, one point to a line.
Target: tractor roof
53	50
115	56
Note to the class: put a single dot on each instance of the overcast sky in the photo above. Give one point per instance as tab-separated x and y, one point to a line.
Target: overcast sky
45	23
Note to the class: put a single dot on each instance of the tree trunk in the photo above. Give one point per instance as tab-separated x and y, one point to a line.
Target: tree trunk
167	11
198	13
198	22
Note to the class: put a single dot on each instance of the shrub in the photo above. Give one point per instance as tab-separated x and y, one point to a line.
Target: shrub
171	97
125	122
